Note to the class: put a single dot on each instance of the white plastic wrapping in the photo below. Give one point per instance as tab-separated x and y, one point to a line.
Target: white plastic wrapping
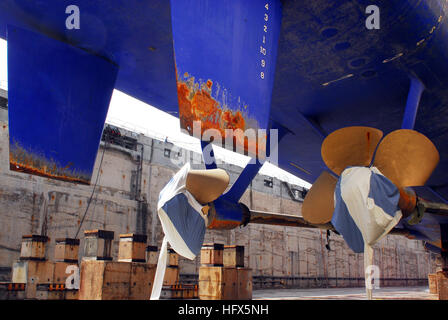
183	224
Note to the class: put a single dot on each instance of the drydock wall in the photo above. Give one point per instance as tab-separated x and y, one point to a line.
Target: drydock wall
279	256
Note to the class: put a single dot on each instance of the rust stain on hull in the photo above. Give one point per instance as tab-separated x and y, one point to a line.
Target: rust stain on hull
21	160
21	168
196	103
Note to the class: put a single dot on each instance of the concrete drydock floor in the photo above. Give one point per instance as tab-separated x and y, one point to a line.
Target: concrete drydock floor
389	293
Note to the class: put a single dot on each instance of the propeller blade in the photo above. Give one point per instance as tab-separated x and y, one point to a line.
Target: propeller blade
350	146
407	158
318	205
207	185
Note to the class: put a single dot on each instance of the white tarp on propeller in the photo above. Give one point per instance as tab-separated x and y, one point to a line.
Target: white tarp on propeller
366	209
183	224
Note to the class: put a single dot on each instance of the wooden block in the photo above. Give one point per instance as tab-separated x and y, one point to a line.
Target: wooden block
98	245
91	282
105	280
173	258
142	279
33	247
40	272
233	256
212	254
132	248
244	276
32	273
66	250
442	285
152	255
60	275
116	281
171	276
218	283
432	281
